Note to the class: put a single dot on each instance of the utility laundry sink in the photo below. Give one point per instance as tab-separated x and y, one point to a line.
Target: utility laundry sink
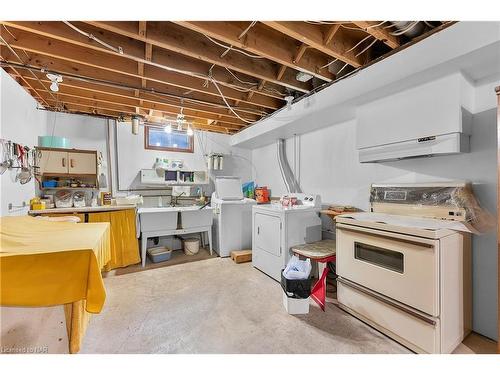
166	218
158	218
192	216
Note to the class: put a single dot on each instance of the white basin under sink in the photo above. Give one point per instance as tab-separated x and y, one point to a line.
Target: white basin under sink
166	218
169	221
158	218
192	217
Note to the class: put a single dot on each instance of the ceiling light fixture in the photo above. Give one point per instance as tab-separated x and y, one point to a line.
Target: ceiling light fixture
189	131
135	125
289	100
167	128
55	79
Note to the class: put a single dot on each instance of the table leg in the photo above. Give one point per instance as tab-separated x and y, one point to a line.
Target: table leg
144	245
202	239
209	233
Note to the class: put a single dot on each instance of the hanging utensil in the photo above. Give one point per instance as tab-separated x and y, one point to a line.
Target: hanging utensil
6	156
24	173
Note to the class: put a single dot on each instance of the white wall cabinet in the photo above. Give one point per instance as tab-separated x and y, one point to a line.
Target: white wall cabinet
74	162
82	163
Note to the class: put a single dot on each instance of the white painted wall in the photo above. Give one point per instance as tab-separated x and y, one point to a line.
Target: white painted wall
20	122
132	156
329	166
84	132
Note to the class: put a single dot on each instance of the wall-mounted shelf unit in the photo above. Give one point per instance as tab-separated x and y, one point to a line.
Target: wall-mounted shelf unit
70	164
149	177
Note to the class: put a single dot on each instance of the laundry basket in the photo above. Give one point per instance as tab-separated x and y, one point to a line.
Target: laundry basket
191	246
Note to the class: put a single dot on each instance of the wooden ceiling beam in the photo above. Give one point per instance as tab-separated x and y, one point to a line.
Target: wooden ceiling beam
51	56
67	95
260	41
64	44
92	92
281	72
213	108
330	34
313	37
378	32
174	38
107	110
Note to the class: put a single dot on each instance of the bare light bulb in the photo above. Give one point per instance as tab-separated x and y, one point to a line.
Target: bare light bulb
54	87
167	128
189	131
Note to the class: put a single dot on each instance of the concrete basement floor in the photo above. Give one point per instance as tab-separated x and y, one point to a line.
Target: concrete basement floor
207	306
218	306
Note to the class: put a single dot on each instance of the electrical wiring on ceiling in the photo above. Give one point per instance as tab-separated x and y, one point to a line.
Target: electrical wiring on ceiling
324	22
243	33
231	48
207	78
408	28
352	49
255	84
375	40
239	80
92	37
22	62
227	104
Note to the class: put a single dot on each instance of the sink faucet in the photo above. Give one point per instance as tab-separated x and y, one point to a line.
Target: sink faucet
173	200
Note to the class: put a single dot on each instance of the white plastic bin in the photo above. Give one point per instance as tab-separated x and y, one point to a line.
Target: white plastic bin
295	306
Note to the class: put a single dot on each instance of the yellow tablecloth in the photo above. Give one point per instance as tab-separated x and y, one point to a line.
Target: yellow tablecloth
54	263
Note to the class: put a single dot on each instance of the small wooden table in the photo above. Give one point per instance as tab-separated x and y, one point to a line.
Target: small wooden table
321	252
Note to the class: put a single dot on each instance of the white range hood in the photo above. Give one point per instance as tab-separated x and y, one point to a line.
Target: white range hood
428	120
446	144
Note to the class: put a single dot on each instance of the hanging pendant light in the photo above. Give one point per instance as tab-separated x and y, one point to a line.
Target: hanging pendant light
167	128
135	125
189	131
55	79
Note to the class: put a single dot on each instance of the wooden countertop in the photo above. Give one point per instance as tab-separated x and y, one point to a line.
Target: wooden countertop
70	210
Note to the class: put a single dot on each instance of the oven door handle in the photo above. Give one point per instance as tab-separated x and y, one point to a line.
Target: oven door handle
387	301
389	235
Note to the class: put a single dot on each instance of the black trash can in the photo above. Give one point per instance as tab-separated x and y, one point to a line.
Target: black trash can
296	288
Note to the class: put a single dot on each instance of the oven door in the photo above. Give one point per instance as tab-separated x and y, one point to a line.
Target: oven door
402	267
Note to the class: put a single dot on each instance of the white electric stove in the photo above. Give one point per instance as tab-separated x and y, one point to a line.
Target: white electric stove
404	268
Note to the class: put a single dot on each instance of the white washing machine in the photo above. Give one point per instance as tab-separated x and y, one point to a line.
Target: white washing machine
276	229
232	225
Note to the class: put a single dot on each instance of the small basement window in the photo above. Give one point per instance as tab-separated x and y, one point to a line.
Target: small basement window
158	139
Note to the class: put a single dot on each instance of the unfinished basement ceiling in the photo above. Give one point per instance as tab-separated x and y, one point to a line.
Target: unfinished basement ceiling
222	76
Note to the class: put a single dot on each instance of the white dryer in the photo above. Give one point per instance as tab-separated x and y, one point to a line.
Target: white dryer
232	225
276	229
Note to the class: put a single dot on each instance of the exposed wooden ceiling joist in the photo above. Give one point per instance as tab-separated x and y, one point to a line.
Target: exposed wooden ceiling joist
378	32
59	50
67	92
260	41
174	38
150	101
221	75
313	37
132	49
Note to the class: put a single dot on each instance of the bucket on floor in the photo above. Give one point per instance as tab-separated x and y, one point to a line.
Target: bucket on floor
159	254
191	246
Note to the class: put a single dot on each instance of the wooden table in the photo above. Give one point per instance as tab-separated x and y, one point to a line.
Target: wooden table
46	263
